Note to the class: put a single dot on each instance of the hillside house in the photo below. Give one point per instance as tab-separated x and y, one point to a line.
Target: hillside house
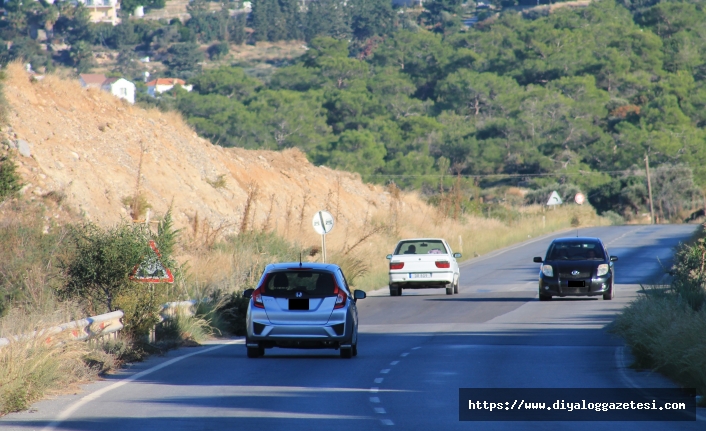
91	80
160	85
121	88
103	10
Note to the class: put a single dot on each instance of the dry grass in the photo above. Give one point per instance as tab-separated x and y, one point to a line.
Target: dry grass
666	336
363	244
36	363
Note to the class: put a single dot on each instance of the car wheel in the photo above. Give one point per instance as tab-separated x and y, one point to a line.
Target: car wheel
449	289
545	297
255	352
395	290
354	349
609	294
456	287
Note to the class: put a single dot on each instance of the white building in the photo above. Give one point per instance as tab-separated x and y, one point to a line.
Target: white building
160	85
103	10
120	87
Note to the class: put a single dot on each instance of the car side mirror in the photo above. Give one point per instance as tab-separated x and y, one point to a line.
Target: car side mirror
247	293
613	258
389	256
359	294
538	260
457	255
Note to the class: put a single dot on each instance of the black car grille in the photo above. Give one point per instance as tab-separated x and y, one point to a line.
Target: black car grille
569	275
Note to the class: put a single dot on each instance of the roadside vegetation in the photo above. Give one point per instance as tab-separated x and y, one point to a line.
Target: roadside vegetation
665	326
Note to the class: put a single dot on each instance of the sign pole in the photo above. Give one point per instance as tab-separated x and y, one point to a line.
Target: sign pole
323	248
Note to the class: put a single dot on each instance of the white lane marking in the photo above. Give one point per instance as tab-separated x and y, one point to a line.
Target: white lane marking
623	235
628	381
380	410
385	371
416	348
374	399
378	380
387	422
374	389
394	362
97	394
404	354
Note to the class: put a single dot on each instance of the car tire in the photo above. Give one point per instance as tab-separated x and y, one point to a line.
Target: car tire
545	297
395	290
456	287
609	294
347	353
449	289
255	352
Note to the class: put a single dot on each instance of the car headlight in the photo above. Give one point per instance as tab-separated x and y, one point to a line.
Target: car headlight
602	269
547	270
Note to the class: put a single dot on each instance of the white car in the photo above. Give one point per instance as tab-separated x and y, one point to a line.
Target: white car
423	263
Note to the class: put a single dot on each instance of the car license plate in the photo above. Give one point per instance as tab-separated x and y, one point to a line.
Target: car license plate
420	275
577	283
299	304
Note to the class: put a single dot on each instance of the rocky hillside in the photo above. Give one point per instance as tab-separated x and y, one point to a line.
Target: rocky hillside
98	152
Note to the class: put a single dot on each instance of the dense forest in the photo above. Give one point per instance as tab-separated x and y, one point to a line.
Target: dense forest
575	99
579	97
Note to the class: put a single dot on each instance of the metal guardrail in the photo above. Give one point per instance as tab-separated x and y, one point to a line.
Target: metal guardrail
84	329
101	325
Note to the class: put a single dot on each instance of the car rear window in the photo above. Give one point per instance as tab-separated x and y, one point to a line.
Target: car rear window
576	250
421	247
285	284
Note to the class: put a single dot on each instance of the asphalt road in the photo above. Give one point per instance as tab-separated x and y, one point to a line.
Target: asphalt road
415	352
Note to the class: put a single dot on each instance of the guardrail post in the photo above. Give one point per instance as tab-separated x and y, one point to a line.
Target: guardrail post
153	334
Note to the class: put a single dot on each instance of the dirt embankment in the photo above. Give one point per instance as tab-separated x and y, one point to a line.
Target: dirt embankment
96	151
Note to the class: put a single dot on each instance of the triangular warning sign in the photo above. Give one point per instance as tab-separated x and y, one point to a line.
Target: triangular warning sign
151	270
554	199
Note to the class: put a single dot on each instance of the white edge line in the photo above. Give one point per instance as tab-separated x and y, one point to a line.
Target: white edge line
629	381
97	394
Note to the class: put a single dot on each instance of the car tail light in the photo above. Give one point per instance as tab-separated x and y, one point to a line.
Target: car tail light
341	298
443	264
257	298
396	265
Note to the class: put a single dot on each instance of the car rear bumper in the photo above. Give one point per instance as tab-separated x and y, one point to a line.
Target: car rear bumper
437	279
592	286
263	333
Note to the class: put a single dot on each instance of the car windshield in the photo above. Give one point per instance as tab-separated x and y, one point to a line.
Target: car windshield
285	284
421	247
576	250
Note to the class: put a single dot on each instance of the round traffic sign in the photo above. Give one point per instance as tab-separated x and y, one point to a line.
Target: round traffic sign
322	222
580	198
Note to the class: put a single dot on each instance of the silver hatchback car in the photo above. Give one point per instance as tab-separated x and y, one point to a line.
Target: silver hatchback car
306	306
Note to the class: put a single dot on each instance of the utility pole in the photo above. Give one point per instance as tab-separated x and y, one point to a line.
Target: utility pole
649	188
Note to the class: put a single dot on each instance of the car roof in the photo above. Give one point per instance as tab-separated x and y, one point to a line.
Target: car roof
578	239
422	239
303	266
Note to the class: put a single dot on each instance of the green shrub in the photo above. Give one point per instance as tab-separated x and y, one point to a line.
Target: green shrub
10	181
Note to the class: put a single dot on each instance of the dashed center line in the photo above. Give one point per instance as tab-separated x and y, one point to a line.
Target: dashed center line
375	389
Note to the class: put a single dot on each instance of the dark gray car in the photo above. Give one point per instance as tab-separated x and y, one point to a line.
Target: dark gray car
576	267
302	306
